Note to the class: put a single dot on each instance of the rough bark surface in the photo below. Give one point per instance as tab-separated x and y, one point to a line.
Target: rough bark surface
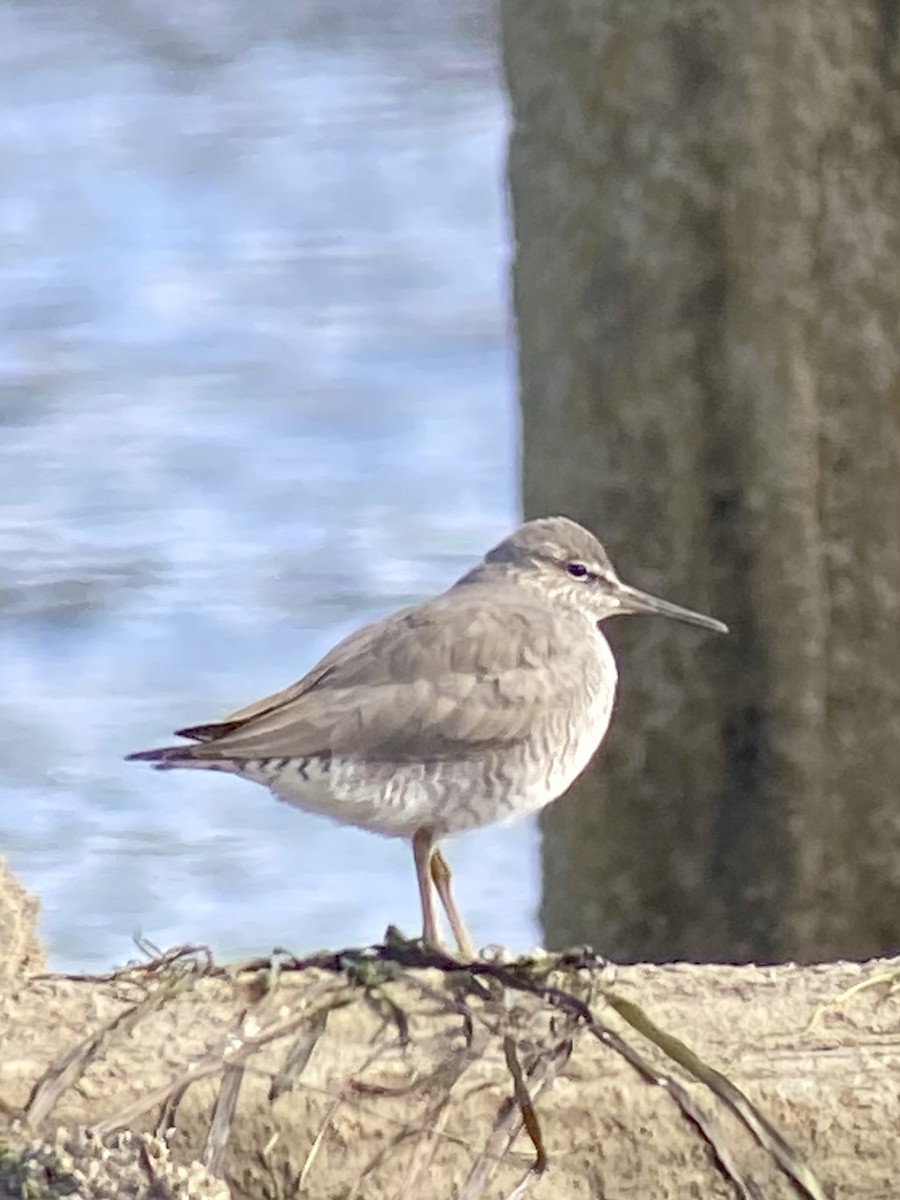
706	201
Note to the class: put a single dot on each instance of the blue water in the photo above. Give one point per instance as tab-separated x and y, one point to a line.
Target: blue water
256	387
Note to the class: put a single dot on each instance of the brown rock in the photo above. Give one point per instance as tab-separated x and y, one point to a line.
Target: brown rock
21	952
377	1079
126	1166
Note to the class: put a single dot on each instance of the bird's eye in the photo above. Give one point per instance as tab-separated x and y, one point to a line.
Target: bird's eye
577	570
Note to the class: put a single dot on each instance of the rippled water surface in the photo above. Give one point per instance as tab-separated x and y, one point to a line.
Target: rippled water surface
255	388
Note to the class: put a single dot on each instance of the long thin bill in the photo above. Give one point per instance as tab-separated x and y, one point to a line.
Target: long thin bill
634	601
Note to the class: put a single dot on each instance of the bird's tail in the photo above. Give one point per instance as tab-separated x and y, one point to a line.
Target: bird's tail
166	758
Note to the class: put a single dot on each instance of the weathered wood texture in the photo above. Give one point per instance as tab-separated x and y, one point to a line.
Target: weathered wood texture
706	200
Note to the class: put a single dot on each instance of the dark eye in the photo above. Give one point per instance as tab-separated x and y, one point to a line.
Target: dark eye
577	570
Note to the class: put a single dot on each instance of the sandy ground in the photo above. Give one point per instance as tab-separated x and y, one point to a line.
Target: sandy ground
385	1078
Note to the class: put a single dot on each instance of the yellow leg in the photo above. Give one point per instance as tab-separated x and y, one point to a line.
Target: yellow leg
423	849
440	874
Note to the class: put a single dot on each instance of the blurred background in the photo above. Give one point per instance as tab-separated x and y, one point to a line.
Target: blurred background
257	386
255	389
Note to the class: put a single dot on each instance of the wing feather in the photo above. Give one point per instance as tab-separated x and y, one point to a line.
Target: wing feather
462	671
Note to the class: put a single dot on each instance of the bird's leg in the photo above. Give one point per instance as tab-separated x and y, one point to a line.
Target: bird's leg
440	874
423	848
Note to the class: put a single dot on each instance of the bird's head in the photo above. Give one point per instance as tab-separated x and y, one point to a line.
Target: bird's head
565	564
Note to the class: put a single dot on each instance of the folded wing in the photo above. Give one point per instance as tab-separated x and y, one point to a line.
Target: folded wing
453	675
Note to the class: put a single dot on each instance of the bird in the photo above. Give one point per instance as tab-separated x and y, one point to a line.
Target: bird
480	704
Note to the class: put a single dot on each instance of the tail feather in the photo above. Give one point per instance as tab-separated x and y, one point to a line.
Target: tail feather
208	733
166	757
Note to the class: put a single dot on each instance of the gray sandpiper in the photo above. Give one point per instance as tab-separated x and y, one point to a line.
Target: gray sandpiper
483	703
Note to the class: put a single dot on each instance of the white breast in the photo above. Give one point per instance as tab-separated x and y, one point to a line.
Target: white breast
454	795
